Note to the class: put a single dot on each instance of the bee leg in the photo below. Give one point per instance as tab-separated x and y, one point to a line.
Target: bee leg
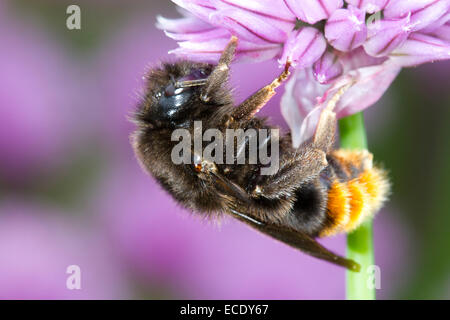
298	240
221	71
253	104
294	169
305	162
293	238
324	136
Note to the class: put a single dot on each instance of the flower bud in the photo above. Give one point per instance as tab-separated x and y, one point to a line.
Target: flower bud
346	29
303	47
327	68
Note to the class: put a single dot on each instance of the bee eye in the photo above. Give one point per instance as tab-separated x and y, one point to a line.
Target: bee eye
174	99
172	102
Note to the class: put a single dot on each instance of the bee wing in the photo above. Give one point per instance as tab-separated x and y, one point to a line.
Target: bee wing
298	240
291	237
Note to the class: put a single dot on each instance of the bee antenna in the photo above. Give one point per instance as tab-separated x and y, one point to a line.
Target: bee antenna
190	83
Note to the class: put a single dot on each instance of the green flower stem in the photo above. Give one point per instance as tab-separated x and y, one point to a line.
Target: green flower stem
359	242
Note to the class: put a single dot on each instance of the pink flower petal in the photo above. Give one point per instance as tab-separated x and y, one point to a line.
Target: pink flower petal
371	83
199	8
327	68
302	94
291	112
386	35
420	48
369	6
443	32
182	25
304	99
303	47
200	36
311	11
423	12
443	20
210	51
203	41
358	58
440	28
346	30
274	9
309	124
249	26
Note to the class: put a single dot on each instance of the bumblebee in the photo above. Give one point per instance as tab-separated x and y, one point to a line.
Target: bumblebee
316	192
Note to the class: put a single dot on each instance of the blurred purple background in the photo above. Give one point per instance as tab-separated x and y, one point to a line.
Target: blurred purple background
72	192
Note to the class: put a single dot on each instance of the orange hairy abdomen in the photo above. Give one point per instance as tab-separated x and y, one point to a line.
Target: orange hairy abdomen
357	191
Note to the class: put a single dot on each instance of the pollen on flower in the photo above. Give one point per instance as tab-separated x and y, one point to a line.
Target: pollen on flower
356	21
409	26
321	78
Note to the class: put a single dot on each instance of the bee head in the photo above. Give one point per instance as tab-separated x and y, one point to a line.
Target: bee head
173	93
